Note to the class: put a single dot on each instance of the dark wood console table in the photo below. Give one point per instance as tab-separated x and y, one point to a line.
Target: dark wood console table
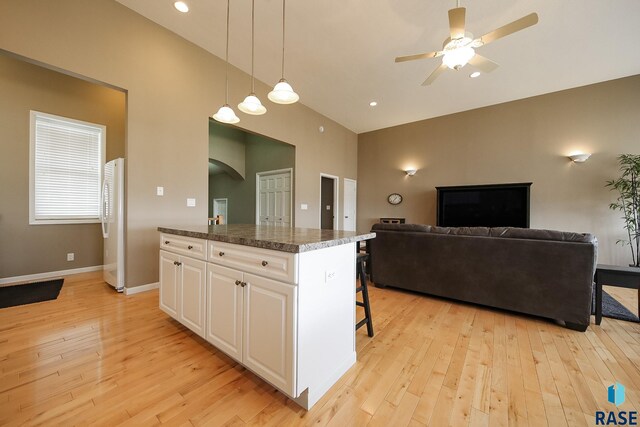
614	275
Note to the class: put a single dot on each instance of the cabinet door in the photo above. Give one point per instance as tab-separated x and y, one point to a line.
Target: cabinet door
191	290
169	283
224	310
269	328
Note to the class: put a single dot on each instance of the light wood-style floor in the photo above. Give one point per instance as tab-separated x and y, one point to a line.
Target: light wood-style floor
94	357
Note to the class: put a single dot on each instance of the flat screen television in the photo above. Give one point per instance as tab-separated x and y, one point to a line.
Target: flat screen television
495	205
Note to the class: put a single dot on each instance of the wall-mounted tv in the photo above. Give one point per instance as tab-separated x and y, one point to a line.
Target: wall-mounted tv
495	205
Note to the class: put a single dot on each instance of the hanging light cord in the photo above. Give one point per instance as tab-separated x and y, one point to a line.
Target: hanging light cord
253	6
283	9
226	69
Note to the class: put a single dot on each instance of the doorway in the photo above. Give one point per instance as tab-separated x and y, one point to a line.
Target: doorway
273	197
220	211
328	202
349	204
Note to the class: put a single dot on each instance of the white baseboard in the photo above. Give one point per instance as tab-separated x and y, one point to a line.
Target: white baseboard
141	288
49	275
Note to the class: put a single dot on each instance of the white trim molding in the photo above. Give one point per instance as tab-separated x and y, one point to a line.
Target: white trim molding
49	275
142	288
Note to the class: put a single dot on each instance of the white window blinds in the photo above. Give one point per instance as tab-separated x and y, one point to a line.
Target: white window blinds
67	158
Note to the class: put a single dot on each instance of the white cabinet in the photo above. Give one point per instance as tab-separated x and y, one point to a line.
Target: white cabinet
169	283
224	310
288	317
252	319
182	290
269	326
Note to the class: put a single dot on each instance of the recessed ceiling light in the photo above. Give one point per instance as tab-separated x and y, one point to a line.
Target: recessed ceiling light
373	104
474	74
181	6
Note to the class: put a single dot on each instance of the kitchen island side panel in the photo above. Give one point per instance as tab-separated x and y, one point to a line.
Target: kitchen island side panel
326	318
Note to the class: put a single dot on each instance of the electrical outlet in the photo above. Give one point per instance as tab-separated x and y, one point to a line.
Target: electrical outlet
191	202
70	256
160	191
329	275
304	206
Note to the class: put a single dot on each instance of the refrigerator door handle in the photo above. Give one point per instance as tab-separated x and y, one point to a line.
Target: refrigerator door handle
105	209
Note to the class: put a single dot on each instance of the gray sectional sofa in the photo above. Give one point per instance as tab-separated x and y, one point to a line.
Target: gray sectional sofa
540	272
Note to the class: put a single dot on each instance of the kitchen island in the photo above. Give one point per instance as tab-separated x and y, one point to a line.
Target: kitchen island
280	301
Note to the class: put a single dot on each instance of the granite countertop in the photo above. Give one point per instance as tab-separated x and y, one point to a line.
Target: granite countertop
282	239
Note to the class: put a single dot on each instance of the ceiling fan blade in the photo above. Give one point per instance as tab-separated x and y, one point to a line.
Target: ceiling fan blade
483	64
418	56
456	22
517	25
434	75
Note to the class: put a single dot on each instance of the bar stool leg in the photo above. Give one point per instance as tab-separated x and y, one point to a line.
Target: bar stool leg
365	300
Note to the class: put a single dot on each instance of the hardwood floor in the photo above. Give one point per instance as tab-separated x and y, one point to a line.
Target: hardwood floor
94	357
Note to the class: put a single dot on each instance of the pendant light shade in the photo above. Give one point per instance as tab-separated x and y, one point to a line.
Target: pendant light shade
282	92
251	104
226	114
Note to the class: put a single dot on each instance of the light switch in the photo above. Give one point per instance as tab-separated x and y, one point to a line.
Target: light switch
304	207
160	191
191	203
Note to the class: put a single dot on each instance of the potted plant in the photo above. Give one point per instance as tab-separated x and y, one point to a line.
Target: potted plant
628	201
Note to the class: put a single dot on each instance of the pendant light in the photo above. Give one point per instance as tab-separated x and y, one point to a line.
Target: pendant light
226	114
251	104
282	92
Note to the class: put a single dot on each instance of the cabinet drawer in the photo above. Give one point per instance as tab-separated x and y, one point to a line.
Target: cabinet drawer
264	262
194	248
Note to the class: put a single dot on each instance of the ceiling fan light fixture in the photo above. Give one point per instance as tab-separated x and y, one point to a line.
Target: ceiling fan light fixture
226	115
283	93
458	58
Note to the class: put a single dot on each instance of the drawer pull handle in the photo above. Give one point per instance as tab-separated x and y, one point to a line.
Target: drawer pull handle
243	284
189	247
178	263
166	242
221	253
264	263
238	282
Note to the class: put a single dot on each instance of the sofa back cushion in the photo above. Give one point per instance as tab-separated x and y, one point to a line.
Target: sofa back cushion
505	232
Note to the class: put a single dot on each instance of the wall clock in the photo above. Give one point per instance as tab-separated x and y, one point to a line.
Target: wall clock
394	198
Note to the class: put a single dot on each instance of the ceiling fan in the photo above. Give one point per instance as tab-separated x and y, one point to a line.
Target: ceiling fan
458	49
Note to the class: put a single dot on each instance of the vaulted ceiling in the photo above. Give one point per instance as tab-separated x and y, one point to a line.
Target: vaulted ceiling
340	53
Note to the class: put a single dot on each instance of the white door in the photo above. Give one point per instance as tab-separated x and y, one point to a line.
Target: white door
268	347
220	208
224	310
192	294
350	193
274	199
169	283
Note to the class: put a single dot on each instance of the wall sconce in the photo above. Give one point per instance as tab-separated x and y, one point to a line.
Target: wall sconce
580	157
411	172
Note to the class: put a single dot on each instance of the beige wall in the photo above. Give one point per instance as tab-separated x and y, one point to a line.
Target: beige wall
173	86
521	141
29	249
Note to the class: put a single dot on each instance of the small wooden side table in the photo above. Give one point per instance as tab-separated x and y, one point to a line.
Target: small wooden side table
614	275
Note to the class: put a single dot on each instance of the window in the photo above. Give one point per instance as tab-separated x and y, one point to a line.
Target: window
66	170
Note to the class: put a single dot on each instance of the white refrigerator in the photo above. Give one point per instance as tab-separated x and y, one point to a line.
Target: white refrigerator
112	217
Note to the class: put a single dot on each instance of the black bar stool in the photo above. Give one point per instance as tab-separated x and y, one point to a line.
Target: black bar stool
360	271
